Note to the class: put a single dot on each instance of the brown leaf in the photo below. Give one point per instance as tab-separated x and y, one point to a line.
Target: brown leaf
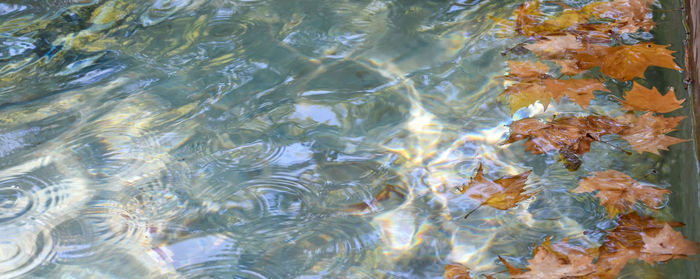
647	133
580	91
525	70
628	15
550	262
502	193
555	46
641	98
527	17
625	62
665	245
618	192
456	271
572	134
511	268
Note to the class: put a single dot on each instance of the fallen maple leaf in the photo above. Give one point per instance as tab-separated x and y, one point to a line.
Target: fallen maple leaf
665	245
555	46
625	243
456	271
618	192
647	133
580	91
527	17
625	62
548	262
527	70
573	134
642	98
502	193
628	15
511	268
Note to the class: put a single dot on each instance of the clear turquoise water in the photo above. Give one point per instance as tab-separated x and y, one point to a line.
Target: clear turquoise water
240	139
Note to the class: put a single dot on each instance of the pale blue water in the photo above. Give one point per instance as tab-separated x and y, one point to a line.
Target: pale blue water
241	139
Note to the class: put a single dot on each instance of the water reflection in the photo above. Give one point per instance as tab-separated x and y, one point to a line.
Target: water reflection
263	139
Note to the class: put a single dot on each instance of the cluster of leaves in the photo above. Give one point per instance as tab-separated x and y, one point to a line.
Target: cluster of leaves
578	40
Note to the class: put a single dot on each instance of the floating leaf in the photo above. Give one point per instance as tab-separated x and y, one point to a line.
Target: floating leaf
456	271
580	91
549	263
647	133
618	192
555	46
573	134
625	62
642	98
665	245
502	193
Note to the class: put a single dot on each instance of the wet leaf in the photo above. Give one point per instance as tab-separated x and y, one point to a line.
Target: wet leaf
511	268
526	70
627	15
502	193
456	271
553	262
666	244
555	46
580	91
625	62
618	192
644	99
571	134
647	133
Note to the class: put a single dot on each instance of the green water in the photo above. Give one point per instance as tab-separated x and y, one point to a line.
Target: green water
239	139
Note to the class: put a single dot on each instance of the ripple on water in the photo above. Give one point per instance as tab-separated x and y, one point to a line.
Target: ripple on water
21	253
113	224
161	10
268	207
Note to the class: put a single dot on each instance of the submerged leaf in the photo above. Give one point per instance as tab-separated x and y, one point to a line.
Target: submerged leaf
641	98
549	262
456	271
502	193
647	133
665	245
625	62
572	134
618	192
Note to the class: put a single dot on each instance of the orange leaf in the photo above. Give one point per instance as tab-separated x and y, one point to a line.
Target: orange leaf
618	192
523	70
647	133
511	268
572	134
580	91
629	15
641	98
502	193
665	245
554	46
548	263
456	271
626	62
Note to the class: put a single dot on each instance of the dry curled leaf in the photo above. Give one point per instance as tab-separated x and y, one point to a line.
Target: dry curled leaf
456	271
647	133
644	99
502	193
618	192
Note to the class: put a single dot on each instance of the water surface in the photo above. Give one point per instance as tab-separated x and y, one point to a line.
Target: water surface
281	139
